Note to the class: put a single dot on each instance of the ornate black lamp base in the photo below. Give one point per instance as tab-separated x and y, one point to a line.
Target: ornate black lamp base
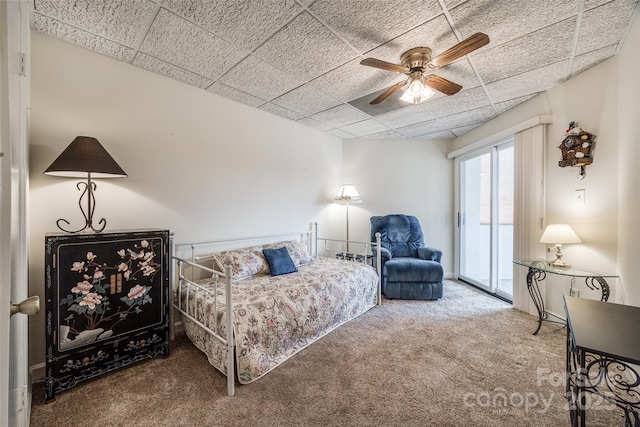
87	192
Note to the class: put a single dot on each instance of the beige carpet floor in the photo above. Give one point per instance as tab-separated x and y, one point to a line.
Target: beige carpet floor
466	360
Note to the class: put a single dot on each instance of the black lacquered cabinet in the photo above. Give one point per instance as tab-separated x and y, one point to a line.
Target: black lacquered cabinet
107	303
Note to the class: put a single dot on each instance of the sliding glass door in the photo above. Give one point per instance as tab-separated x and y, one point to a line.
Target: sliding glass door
486	219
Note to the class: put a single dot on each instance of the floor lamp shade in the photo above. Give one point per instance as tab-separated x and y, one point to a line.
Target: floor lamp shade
348	194
85	158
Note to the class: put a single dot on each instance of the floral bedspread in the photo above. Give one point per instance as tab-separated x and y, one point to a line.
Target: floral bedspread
277	316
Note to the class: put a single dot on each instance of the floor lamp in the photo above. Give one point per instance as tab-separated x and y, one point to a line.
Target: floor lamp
348	194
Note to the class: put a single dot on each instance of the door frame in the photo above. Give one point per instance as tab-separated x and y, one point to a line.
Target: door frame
492	148
15	389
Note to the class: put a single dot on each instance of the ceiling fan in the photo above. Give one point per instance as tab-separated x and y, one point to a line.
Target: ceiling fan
416	62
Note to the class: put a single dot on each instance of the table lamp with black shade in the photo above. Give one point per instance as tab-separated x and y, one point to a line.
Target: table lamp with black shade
85	158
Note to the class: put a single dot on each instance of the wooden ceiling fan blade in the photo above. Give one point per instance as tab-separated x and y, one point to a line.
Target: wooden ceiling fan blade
383	65
463	48
442	85
387	93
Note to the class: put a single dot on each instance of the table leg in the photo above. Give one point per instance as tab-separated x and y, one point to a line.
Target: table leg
569	391
532	286
581	379
604	286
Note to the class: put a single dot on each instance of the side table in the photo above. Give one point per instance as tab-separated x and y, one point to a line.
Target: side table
603	355
538	270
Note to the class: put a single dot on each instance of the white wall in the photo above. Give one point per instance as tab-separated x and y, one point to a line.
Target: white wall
628	125
201	165
411	177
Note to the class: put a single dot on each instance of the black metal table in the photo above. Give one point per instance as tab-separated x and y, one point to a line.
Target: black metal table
538	270
603	357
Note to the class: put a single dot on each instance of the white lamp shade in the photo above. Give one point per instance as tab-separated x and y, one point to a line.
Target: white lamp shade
559	234
348	194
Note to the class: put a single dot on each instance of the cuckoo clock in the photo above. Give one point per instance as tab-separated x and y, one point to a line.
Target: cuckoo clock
577	149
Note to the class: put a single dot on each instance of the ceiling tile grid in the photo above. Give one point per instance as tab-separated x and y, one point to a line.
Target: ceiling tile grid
235	94
150	63
300	59
79	37
365	127
246	24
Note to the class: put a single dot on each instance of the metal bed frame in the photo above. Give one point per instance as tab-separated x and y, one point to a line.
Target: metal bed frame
189	285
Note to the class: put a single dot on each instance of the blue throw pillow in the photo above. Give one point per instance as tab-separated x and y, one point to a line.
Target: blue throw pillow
279	261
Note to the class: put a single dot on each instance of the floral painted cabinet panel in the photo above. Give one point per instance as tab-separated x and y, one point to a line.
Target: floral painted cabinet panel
106	303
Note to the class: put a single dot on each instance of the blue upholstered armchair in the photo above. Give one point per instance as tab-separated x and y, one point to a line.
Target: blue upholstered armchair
409	269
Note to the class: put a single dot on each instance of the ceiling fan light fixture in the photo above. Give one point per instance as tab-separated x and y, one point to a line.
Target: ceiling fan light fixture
416	91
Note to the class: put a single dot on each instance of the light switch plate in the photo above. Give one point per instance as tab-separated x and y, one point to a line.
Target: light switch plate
580	197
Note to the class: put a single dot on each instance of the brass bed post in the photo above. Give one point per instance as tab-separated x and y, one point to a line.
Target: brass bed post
228	260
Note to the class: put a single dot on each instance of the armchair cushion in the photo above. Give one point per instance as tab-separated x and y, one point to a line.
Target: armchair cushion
414	270
385	256
431	254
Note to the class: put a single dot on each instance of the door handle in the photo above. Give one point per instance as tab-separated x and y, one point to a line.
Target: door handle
30	306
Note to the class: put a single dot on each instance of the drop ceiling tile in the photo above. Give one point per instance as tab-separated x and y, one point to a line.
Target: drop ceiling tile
461	101
119	21
604	25
365	127
305	47
407	116
506	105
177	41
528	83
504	20
339	116
466	118
308	121
423	128
307	100
352	80
82	38
267	82
366	24
280	111
242	22
160	67
235	94
435	34
340	134
590	4
390	134
464	129
590	59
445	134
537	49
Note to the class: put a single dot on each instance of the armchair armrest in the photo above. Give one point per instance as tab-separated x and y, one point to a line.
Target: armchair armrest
385	256
430	254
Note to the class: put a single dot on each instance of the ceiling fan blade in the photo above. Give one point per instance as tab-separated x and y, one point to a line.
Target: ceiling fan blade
466	46
442	85
383	65
387	93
